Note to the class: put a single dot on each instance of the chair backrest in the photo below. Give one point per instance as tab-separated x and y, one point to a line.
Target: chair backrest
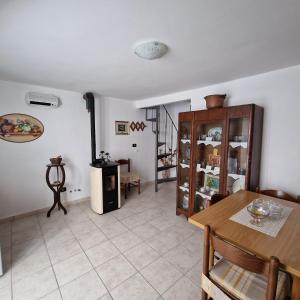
124	162
214	199
243	259
278	194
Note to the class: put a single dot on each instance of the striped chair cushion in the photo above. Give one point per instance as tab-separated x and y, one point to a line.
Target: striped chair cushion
246	285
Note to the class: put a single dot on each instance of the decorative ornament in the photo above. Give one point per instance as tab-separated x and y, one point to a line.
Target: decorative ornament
142	125
137	126
132	126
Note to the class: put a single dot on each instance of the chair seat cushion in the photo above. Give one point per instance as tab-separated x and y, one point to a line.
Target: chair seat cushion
129	177
246	285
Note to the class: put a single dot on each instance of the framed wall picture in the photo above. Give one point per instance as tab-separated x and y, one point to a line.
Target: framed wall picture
122	127
20	128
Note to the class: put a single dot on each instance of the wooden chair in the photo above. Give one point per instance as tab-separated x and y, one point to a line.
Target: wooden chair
278	194
214	199
239	274
129	179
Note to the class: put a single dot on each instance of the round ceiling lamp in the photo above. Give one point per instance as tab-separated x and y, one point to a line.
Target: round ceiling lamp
150	50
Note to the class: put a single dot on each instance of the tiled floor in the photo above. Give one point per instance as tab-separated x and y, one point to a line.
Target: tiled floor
142	251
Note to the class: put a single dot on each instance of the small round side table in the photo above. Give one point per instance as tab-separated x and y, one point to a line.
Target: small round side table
56	186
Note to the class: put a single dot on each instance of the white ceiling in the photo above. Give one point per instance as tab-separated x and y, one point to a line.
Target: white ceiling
86	45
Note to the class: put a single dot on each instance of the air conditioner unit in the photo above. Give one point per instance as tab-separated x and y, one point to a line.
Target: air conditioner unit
45	100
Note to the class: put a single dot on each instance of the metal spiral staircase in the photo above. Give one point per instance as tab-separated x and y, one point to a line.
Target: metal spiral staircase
165	131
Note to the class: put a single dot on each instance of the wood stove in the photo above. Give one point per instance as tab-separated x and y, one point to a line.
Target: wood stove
105	175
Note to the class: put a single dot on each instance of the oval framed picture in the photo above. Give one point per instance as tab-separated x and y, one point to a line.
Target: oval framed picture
20	128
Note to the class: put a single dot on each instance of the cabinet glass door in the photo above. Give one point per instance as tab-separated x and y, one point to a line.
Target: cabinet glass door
208	139
184	165
237	160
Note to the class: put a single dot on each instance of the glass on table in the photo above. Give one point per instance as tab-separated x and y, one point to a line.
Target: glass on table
259	209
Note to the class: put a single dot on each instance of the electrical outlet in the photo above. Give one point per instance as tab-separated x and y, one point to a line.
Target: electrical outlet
134	147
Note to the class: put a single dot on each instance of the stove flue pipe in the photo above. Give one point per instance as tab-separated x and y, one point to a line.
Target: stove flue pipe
90	106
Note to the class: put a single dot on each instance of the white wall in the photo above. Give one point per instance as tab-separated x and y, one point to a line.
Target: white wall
67	132
120	146
278	92
22	181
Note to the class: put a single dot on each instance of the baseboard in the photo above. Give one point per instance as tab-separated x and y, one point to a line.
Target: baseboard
41	210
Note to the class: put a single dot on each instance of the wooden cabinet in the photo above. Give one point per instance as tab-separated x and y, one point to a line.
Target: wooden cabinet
218	152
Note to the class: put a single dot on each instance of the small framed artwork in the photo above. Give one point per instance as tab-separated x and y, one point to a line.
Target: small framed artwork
212	182
122	127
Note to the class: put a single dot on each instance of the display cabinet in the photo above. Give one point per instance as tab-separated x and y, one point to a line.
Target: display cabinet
219	152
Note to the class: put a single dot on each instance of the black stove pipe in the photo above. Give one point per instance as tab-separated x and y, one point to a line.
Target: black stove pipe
90	106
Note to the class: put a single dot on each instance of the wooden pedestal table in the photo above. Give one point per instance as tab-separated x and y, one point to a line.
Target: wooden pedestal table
56	186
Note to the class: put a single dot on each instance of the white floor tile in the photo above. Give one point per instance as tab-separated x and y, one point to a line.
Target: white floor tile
91	239
115	271
62	250
126	241
114	229
141	255
146	231
184	289
55	295
195	273
30	264
135	288
103	220
102	253
35	286
87	287
26	235
182	258
5	293
71	268
161	275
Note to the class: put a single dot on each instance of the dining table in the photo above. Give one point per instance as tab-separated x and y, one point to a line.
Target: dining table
285	245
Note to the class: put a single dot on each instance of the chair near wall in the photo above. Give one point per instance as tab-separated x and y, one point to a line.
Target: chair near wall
129	179
278	194
239	274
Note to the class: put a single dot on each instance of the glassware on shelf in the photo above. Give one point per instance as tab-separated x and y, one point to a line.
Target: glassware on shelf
185	202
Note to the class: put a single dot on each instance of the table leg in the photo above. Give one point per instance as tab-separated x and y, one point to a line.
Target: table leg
296	288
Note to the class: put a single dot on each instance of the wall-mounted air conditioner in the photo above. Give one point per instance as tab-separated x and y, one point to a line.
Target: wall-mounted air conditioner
42	100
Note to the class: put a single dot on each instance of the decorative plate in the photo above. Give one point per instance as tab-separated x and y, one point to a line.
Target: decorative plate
20	128
215	133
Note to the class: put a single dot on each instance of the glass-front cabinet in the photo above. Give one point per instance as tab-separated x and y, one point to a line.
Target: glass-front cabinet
237	154
184	163
208	141
219	153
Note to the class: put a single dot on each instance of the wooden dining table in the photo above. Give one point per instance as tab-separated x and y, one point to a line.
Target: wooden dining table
285	246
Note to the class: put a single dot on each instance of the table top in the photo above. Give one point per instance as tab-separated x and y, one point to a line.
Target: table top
285	246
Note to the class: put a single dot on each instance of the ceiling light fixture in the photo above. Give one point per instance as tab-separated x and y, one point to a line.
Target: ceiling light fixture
150	50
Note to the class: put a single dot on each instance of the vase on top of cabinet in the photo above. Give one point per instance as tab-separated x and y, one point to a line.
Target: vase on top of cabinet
219	152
